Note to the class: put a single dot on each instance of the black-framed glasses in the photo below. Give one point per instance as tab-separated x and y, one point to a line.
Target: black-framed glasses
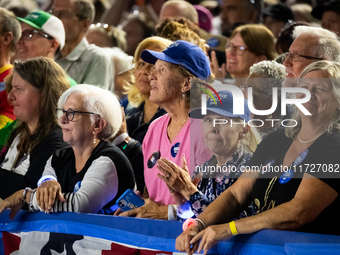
297	57
29	33
64	14
70	113
235	48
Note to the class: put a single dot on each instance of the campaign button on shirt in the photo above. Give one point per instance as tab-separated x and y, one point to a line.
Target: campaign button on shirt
174	149
77	187
286	176
153	159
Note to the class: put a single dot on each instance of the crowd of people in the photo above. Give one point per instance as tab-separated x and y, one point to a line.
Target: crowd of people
96	99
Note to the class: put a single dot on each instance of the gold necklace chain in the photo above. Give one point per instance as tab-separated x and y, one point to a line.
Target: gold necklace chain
168	129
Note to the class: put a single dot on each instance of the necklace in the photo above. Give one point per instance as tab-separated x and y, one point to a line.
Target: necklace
179	128
309	140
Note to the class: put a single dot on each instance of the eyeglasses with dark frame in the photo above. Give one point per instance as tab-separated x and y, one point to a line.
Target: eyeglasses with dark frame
70	113
29	33
238	49
61	14
296	57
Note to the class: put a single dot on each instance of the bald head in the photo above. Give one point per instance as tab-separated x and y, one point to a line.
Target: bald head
178	8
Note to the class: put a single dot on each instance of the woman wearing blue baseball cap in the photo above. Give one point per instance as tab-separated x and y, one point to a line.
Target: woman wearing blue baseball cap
231	140
169	135
292	177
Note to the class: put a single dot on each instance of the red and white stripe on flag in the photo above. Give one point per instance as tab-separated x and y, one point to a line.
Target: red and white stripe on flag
34	242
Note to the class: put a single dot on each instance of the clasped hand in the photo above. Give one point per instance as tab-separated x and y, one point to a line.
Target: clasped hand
188	241
176	178
47	193
150	209
14	202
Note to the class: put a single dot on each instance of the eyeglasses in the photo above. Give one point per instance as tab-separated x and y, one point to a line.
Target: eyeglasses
64	14
238	49
246	86
297	57
29	33
70	113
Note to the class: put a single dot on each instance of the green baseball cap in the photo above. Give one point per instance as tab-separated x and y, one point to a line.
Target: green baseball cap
48	23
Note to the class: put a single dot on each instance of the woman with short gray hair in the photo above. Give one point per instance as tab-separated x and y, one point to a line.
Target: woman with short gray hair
264	76
89	175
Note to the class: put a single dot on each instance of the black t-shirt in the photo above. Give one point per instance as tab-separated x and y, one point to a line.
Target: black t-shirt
275	188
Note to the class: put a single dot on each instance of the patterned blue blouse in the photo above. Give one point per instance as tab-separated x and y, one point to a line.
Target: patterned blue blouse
213	184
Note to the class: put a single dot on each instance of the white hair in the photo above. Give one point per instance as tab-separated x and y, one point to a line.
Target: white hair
99	101
272	72
328	45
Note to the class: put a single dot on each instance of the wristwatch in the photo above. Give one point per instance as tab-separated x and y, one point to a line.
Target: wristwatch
195	197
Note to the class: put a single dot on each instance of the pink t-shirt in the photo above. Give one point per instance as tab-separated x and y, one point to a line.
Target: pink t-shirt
156	144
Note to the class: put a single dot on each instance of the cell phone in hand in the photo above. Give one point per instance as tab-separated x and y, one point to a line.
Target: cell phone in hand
129	200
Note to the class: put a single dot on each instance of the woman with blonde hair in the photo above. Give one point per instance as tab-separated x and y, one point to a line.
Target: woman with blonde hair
144	112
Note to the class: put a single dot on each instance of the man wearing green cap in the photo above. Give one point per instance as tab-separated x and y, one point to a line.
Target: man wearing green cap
42	35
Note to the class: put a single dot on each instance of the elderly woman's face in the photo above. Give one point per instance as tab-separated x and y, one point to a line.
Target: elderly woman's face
26	100
166	83
142	73
322	102
222	138
79	131
239	61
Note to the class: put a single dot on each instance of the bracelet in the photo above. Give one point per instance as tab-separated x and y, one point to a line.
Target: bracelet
24	194
31	206
233	228
202	223
46	178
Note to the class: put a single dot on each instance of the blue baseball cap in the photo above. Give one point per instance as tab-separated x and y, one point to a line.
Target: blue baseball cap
183	53
226	109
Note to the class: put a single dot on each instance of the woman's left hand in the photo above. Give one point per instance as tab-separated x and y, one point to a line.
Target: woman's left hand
211	236
150	209
15	202
178	179
47	193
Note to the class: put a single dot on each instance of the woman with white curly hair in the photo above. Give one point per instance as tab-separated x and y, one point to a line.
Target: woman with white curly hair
264	76
89	175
